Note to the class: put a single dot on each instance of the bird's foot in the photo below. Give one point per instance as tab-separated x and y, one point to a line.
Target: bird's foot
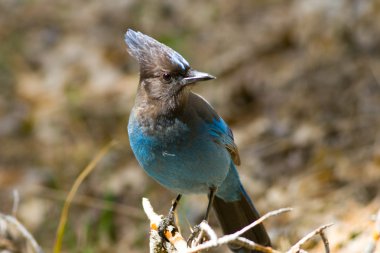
167	225
197	236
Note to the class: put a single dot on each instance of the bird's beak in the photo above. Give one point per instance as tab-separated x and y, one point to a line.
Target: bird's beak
194	76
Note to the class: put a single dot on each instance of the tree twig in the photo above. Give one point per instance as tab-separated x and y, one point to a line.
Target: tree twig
14	237
325	241
208	230
371	248
177	243
237	239
16	202
10	220
157	245
297	247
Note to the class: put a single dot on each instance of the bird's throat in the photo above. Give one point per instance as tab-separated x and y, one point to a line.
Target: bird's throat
153	113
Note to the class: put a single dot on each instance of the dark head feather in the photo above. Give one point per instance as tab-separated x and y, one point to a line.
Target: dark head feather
165	76
153	55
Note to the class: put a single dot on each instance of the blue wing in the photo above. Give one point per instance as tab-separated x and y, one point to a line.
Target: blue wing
218	129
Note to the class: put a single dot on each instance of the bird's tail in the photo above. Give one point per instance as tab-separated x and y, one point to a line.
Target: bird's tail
235	215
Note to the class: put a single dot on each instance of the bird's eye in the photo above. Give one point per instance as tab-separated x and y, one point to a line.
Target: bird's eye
167	77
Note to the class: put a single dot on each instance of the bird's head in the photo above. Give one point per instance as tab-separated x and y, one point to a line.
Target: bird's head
164	73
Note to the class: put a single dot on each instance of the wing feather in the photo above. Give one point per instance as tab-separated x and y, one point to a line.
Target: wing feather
218	129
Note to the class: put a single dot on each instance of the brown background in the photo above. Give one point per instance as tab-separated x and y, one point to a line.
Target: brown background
298	82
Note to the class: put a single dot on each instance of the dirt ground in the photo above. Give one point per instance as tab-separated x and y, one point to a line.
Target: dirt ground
297	81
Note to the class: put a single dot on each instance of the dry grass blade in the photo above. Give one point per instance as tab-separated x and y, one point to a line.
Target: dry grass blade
65	211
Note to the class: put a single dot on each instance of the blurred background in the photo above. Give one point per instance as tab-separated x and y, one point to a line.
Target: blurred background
298	82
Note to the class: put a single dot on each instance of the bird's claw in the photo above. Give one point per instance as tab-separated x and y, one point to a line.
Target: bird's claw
197	236
167	224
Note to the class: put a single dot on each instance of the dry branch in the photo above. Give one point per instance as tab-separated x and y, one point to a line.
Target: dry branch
236	238
176	243
371	248
297	247
14	237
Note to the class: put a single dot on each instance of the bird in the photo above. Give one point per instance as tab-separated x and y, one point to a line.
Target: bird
181	142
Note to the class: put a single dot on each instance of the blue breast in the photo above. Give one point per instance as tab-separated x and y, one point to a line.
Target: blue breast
180	156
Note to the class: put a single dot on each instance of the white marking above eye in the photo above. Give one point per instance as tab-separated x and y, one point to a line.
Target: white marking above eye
179	60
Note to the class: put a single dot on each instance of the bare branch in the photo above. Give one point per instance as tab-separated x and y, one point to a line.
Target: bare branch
235	237
371	248
227	239
244	242
325	241
260	220
16	202
10	220
297	247
152	215
178	244
175	243
14	237
209	231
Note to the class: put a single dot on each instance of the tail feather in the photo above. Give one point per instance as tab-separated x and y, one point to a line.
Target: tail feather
235	215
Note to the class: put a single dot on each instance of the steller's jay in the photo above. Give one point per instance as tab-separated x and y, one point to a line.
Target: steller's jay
180	140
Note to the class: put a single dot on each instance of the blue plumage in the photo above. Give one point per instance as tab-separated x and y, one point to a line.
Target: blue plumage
188	154
179	139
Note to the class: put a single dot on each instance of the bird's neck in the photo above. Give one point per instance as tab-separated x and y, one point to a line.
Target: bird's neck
151	110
